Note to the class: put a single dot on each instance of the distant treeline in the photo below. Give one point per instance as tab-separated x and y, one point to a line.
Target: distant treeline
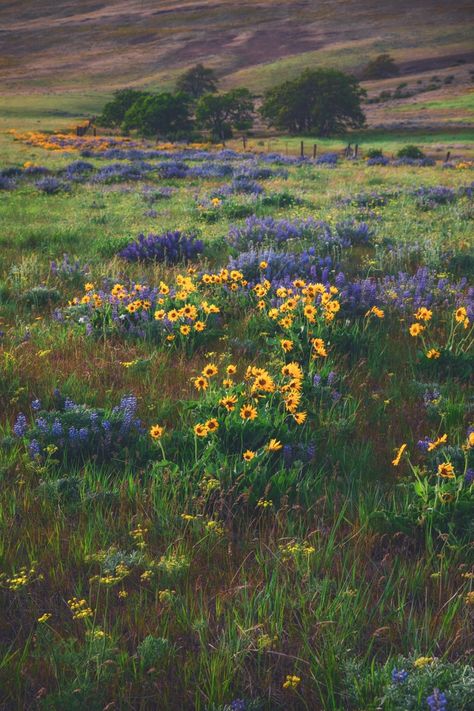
322	102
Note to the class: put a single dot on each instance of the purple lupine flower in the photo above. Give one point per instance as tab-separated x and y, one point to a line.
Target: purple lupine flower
170	247
57	428
331	377
36	405
69	404
317	380
437	701
21	425
423	444
399	675
469	478
73	434
34	449
83	434
42	425
238	705
287	453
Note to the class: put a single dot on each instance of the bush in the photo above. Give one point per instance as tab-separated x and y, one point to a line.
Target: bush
40	296
381	67
412	152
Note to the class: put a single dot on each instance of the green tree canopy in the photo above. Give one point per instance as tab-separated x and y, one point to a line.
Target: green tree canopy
114	111
164	114
197	80
220	113
381	67
324	101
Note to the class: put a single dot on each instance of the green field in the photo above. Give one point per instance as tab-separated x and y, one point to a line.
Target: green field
260	540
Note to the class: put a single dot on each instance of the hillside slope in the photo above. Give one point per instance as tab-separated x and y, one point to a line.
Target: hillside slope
98	45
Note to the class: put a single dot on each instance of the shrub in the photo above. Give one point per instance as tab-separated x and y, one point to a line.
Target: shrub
40	296
412	152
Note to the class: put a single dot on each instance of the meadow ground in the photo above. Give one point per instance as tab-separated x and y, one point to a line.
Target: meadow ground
237	460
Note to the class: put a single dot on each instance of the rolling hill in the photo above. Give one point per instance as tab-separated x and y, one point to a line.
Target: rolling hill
95	46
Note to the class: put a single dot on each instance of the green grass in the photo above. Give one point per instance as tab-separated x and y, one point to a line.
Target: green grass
351	567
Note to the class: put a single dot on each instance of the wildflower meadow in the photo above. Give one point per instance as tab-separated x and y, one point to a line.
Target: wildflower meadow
237	428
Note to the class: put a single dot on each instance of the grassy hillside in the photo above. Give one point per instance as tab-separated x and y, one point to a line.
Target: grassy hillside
98	46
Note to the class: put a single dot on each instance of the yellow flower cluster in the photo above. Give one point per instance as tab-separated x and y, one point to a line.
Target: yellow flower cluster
292	681
79	608
21	579
295	549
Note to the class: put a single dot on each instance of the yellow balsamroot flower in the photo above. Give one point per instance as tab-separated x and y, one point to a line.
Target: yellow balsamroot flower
263	264
156	431
460	314
89	286
292	401
286	322
300	417
164	288
209	370
215	202
433	354
376	312
248	412
190	311
422	662
212	425
333	307
292	681
469	599
415	329
286	344
201	383
310	312
423	314
199	326
228	402
210	308
231	369
446	471
470	439
248	455
264	382
274	445
200	430
227	383
172	315
319	348
399	455
185	330
293	370
439	440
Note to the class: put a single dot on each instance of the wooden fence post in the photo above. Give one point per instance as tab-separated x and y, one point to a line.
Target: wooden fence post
356	150
315	150
302	149
244	141
448	156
